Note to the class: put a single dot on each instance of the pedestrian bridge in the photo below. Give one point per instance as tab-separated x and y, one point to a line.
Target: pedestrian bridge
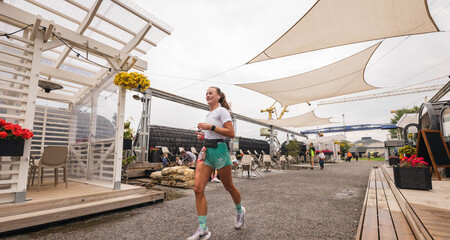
349	128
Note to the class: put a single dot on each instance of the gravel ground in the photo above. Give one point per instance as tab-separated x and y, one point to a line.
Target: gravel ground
287	204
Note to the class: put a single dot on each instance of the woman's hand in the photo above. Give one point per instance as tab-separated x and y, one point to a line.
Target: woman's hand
204	126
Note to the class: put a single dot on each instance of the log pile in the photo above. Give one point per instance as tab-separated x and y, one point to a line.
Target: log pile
180	176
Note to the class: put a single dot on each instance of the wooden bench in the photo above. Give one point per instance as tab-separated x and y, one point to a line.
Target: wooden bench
381	216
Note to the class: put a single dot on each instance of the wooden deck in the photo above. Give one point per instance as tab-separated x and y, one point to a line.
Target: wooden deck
392	213
58	203
432	208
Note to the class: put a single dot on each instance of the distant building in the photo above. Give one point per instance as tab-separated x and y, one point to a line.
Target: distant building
371	145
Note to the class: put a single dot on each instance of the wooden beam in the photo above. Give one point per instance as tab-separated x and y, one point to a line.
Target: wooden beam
55	96
89	17
49	31
52	44
109	21
13	15
36	25
141	16
67	76
133	43
81	29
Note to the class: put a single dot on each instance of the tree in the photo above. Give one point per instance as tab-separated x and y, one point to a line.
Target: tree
344	146
293	148
397	115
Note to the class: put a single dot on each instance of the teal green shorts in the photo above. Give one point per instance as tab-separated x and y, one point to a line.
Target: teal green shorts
218	157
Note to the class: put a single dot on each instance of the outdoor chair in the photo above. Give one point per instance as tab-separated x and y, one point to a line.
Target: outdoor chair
181	149
248	165
267	161
248	151
194	151
282	162
166	150
53	157
235	168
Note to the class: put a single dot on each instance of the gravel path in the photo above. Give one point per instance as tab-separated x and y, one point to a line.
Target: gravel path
292	204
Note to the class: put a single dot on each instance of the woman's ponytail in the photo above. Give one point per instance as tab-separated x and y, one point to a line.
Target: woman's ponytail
223	101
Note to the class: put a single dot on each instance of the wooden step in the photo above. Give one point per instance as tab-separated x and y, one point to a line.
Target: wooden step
30	219
417	227
382	216
39	203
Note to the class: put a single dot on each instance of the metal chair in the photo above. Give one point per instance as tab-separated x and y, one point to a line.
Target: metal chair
52	157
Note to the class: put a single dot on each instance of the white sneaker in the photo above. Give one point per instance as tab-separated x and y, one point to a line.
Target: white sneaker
200	235
240	219
216	180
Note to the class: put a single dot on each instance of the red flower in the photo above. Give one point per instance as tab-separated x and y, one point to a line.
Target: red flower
3	134
2	122
17	133
9	126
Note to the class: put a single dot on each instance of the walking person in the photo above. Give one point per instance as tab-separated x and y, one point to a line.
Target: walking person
349	156
218	125
311	153
321	159
369	155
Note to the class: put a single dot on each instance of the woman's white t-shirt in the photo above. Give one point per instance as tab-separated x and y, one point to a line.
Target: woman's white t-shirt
217	117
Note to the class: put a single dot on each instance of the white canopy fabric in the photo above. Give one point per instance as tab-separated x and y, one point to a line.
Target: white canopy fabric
327	139
343	77
331	23
408	118
304	120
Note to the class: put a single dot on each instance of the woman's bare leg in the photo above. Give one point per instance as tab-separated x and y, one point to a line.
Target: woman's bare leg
227	181
202	173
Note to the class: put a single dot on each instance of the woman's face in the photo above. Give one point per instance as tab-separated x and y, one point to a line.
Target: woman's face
212	98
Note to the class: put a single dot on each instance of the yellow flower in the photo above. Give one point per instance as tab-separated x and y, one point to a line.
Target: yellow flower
132	80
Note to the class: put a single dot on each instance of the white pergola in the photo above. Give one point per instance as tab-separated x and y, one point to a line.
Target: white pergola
79	45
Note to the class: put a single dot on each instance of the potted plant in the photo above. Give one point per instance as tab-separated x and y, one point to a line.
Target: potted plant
413	173
12	138
406	151
393	160
127	135
132	80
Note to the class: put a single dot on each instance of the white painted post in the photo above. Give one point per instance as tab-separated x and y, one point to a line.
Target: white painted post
92	133
29	116
271	141
119	139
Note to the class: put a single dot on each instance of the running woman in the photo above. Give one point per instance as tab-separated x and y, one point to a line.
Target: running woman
216	127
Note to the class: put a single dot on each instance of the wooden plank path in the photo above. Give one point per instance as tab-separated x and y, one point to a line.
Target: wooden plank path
58	203
427	211
381	216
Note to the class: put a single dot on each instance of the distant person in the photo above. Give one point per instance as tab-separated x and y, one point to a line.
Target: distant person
311	153
356	156
217	126
165	160
349	156
321	159
396	152
369	155
187	158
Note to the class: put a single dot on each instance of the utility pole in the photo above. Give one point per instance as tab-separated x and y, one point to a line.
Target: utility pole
343	122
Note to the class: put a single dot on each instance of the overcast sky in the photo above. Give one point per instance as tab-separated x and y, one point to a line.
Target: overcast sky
213	40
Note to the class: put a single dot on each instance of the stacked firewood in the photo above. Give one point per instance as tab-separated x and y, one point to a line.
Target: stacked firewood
180	176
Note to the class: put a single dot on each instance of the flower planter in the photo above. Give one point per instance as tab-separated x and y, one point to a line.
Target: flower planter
10	147
412	177
393	161
127	144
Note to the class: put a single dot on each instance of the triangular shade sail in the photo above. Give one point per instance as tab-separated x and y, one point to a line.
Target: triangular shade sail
343	77
304	120
331	23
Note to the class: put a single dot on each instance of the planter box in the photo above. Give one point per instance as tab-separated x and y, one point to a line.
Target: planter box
9	147
393	161
127	144
412	178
